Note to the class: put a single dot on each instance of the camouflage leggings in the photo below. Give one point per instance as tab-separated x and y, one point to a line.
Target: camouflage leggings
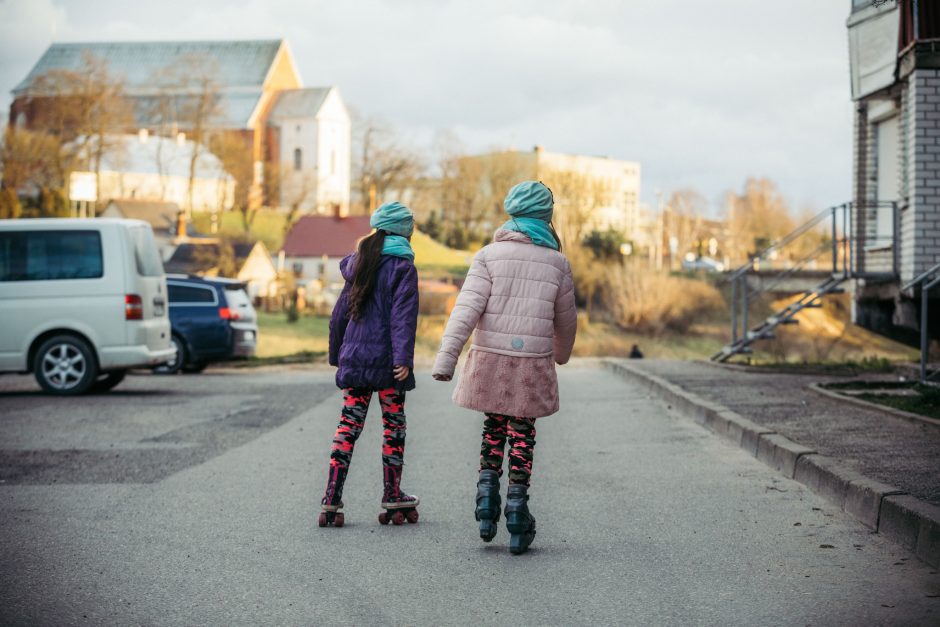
355	407
497	428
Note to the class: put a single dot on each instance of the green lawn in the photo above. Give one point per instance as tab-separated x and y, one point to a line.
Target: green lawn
279	338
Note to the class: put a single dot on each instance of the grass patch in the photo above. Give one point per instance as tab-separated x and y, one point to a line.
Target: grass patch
843	368
278	338
926	403
267	226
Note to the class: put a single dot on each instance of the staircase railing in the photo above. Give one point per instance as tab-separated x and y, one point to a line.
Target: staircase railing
926	280
845	241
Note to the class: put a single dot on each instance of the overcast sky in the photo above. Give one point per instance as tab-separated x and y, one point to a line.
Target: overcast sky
702	93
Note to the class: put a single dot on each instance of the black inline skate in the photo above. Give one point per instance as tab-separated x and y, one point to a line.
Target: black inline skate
488	503
519	522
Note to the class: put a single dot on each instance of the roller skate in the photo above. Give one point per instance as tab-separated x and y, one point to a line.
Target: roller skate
399	506
519	522
332	502
488	503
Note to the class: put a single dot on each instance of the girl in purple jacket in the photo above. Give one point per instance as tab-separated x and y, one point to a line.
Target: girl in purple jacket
372	341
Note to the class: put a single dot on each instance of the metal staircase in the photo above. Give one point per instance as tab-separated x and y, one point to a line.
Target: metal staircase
835	253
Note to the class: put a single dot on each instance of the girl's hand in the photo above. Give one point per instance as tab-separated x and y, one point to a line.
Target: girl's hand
442	377
400	372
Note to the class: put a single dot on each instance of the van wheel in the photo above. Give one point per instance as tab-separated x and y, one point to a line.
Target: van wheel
172	367
108	381
65	365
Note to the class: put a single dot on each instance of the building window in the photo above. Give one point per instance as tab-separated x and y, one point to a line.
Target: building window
298	159
333	162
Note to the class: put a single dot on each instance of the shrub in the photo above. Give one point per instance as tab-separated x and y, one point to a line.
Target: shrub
651	302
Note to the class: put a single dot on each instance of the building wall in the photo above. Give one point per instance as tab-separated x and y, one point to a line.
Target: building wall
921	238
208	194
334	155
324	139
298	186
313	268
619	179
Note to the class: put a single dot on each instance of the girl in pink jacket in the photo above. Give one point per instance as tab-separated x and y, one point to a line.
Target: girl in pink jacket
518	300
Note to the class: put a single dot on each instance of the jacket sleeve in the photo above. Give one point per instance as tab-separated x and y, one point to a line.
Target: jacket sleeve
339	319
566	318
471	303
404	318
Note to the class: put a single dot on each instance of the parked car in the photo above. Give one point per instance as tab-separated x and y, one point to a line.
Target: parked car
212	320
82	301
706	264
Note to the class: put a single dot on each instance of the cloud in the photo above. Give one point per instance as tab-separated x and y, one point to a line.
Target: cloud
701	93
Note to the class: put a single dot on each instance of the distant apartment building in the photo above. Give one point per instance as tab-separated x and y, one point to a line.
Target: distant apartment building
894	50
299	135
610	187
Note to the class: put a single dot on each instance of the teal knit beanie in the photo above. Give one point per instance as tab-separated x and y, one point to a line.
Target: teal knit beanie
395	218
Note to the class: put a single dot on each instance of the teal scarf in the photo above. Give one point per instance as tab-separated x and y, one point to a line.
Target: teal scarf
398	246
538	231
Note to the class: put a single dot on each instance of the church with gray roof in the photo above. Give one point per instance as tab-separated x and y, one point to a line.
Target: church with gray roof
301	135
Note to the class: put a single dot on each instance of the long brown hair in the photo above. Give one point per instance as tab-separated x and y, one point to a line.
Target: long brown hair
368	256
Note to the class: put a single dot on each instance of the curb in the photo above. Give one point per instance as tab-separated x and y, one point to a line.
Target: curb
900	413
898	516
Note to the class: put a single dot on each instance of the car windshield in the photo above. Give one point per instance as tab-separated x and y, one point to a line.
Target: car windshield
145	252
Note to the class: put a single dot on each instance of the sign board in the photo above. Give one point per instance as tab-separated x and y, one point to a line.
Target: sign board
83	186
873	48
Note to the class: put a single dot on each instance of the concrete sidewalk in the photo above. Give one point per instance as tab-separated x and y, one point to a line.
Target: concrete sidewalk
881	468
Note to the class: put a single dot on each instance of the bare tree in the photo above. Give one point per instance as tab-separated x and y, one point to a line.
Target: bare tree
756	217
684	220
83	110
577	198
383	163
191	101
27	158
234	151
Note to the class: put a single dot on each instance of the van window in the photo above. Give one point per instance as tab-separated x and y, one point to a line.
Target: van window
185	295
145	252
50	255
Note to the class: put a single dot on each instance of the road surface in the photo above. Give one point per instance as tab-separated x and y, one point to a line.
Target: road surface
193	500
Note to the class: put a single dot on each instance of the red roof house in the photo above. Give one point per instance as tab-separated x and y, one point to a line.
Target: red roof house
314	237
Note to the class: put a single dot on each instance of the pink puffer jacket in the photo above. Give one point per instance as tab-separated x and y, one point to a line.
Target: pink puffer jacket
518	300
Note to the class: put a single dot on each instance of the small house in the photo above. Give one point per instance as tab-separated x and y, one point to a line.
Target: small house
315	245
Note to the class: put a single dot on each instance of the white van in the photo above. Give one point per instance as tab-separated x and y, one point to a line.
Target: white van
81	301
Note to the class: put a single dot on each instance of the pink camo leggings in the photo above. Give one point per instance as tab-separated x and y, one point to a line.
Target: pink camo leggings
497	428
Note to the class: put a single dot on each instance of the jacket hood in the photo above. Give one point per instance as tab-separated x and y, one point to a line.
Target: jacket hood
505	235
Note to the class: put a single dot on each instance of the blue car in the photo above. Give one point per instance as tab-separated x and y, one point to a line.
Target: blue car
211	320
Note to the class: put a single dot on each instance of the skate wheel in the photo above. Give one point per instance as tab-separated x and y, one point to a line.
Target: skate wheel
487	530
339	519
321	521
384	519
412	516
398	518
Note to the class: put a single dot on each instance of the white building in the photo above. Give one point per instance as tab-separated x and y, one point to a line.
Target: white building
311	137
157	169
895	78
610	186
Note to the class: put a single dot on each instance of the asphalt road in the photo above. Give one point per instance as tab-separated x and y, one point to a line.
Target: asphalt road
192	500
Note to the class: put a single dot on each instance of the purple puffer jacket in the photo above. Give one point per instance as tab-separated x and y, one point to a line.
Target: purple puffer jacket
367	349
